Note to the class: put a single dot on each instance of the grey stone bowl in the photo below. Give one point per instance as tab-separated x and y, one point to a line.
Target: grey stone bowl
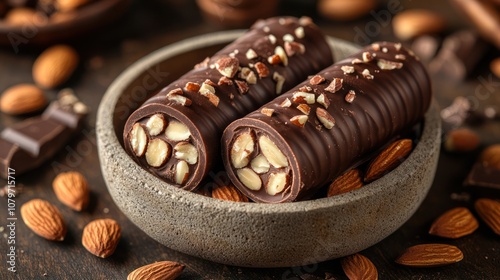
251	234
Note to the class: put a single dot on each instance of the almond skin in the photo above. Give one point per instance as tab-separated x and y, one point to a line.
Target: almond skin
454	223
349	181
71	189
44	219
388	159
415	22
230	193
55	65
358	266
22	99
430	255
461	140
489	211
100	237
164	270
490	157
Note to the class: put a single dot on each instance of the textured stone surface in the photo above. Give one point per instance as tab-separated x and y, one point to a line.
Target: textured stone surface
258	235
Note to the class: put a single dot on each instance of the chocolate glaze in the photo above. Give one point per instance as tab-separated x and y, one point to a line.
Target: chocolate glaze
28	144
384	106
205	120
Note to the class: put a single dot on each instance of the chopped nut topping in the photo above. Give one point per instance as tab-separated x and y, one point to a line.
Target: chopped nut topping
397	46
323	100
227	66
241	149
190	86
350	96
181	172
214	99
272	153
281	52
206	89
272	39
248	75
288	38
260	164
280	80
210	83
304	21
180	99
389	65
156	124
299	32
366	74
303	97
276	183
249	178
316	80
177	131
267	111
400	57
299	120
282	21
262	69
176	91
376	47
306	89
291	48
325	118
304	108
242	86
274	59
384	50
356	61
266	29
157	153
202	64
367	56
187	152
335	85
138	139
225	81
347	69
251	54
286	103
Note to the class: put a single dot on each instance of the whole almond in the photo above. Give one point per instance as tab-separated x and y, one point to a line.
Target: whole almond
71	189
358	266
388	159
21	16
490	157
412	23
69	5
495	66
489	211
44	219
461	140
55	65
100	237
22	99
349	181
454	223
230	193
430	255
344	10
164	270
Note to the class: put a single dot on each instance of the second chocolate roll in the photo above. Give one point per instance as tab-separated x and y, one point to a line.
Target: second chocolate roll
303	139
176	133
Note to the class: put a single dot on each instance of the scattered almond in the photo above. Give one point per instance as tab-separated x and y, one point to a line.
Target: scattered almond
21	16
495	66
164	270
490	157
44	219
55	65
230	193
489	211
346	182
454	223
358	266
22	99
72	190
69	5
344	10
388	159
415	22
430	255
461	140
100	237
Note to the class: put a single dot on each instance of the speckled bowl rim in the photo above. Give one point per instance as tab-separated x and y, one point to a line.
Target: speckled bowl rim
105	115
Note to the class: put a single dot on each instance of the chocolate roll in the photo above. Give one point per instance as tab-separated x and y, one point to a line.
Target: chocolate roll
175	134
303	139
28	144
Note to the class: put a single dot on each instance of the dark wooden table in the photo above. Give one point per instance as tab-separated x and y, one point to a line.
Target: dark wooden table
152	24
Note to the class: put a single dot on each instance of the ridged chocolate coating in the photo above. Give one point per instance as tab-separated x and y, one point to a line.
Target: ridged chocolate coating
207	121
385	103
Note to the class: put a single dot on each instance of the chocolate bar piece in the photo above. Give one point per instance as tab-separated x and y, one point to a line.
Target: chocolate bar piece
30	143
484	177
303	139
175	134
